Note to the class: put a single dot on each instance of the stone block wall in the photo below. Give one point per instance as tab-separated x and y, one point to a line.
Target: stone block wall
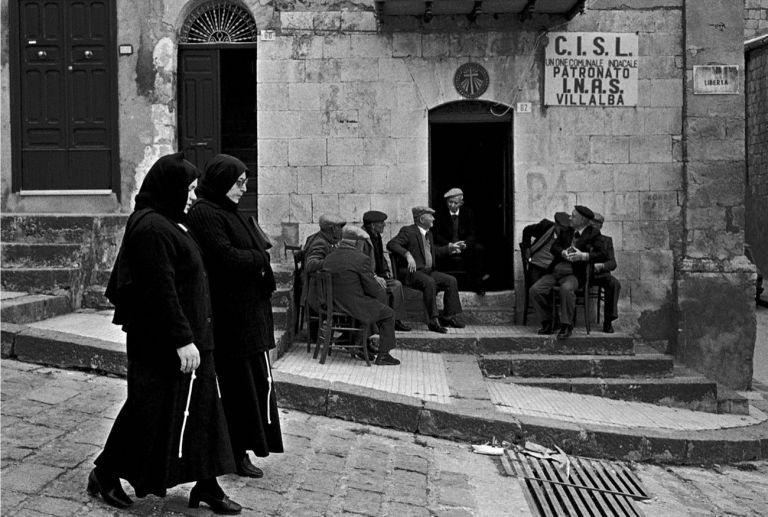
755	18
757	153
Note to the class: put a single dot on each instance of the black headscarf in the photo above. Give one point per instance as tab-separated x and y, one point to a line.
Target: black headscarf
166	186
221	173
165	190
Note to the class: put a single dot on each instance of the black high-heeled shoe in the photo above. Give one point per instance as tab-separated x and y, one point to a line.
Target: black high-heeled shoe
112	493
221	505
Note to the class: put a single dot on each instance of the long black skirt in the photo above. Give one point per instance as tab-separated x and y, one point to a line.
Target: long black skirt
143	445
250	404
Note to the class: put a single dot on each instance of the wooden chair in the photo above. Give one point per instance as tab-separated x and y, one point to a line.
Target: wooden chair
297	317
584	296
337	328
524	251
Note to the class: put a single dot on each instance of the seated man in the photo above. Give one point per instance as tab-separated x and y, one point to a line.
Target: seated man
573	251
456	224
602	277
373	224
357	293
316	248
545	232
415	252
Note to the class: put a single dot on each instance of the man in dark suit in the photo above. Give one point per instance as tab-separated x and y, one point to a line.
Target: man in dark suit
356	292
373	224
537	241
416	254
456	224
602	277
572	252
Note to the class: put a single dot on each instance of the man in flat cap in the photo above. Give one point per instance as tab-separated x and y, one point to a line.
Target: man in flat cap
456	224
356	292
373	224
316	248
572	252
602	277
416	255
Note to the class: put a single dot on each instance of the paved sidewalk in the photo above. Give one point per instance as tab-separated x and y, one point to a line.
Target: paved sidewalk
54	423
446	395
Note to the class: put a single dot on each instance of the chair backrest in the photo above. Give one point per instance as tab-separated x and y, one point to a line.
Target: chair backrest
393	265
298	255
524	259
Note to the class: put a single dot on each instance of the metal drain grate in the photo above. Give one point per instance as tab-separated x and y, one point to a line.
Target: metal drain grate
592	488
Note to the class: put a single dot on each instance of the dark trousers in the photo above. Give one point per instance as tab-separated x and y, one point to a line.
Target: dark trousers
430	283
541	297
396	298
471	261
385	323
612	288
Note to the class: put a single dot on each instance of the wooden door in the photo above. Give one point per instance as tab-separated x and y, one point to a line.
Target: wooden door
67	95
199	104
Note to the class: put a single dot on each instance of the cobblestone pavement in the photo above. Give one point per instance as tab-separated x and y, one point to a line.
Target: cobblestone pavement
55	421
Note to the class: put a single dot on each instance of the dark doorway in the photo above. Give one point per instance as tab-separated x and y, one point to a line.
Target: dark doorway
64	96
217	108
471	149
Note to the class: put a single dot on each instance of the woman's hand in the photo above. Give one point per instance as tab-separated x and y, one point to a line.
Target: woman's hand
189	357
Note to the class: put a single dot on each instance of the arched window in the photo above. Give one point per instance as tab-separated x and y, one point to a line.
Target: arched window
217	22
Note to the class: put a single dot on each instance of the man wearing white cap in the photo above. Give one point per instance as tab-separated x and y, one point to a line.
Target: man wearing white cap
456	224
416	254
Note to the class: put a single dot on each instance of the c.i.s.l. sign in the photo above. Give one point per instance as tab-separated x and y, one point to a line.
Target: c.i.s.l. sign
590	69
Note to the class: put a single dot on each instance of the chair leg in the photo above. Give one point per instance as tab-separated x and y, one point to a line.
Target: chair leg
327	341
319	341
587	302
365	345
525	309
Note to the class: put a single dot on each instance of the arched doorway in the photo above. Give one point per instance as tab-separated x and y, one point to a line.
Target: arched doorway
217	88
470	147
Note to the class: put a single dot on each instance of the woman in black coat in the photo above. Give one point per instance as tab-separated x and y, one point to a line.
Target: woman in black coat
172	428
242	284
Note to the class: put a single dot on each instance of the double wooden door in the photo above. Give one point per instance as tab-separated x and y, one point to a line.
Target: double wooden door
64	95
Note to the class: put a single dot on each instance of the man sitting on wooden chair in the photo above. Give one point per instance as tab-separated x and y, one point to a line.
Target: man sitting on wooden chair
356	292
573	251
416	254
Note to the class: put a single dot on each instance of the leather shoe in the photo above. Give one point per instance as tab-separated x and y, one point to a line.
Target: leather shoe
247	469
565	332
401	327
221	505
386	360
112	492
546	329
450	322
608	327
436	327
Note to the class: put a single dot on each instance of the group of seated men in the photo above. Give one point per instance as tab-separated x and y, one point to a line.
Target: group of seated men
366	288
560	253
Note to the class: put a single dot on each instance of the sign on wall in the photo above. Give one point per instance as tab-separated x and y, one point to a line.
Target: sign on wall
591	69
716	79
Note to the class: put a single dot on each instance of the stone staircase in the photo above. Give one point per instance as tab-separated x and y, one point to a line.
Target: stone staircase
615	366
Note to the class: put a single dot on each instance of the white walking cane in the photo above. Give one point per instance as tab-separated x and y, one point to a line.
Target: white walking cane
269	383
186	410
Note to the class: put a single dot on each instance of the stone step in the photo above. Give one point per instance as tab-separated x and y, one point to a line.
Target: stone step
46	228
40	280
27	308
544	365
40	255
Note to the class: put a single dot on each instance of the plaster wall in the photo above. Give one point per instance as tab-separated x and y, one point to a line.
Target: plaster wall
5	112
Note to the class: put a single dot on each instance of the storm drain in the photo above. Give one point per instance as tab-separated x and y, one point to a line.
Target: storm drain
588	488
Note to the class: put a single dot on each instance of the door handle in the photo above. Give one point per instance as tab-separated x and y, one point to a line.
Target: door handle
200	144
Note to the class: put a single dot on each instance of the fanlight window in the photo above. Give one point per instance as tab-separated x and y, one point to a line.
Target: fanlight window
217	22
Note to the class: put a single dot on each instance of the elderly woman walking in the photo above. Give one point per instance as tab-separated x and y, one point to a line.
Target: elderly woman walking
172	428
242	283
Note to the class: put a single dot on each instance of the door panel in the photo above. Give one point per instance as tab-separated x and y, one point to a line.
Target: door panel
67	95
199	104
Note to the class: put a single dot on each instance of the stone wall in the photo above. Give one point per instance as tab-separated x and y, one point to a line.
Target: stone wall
755	18
715	283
